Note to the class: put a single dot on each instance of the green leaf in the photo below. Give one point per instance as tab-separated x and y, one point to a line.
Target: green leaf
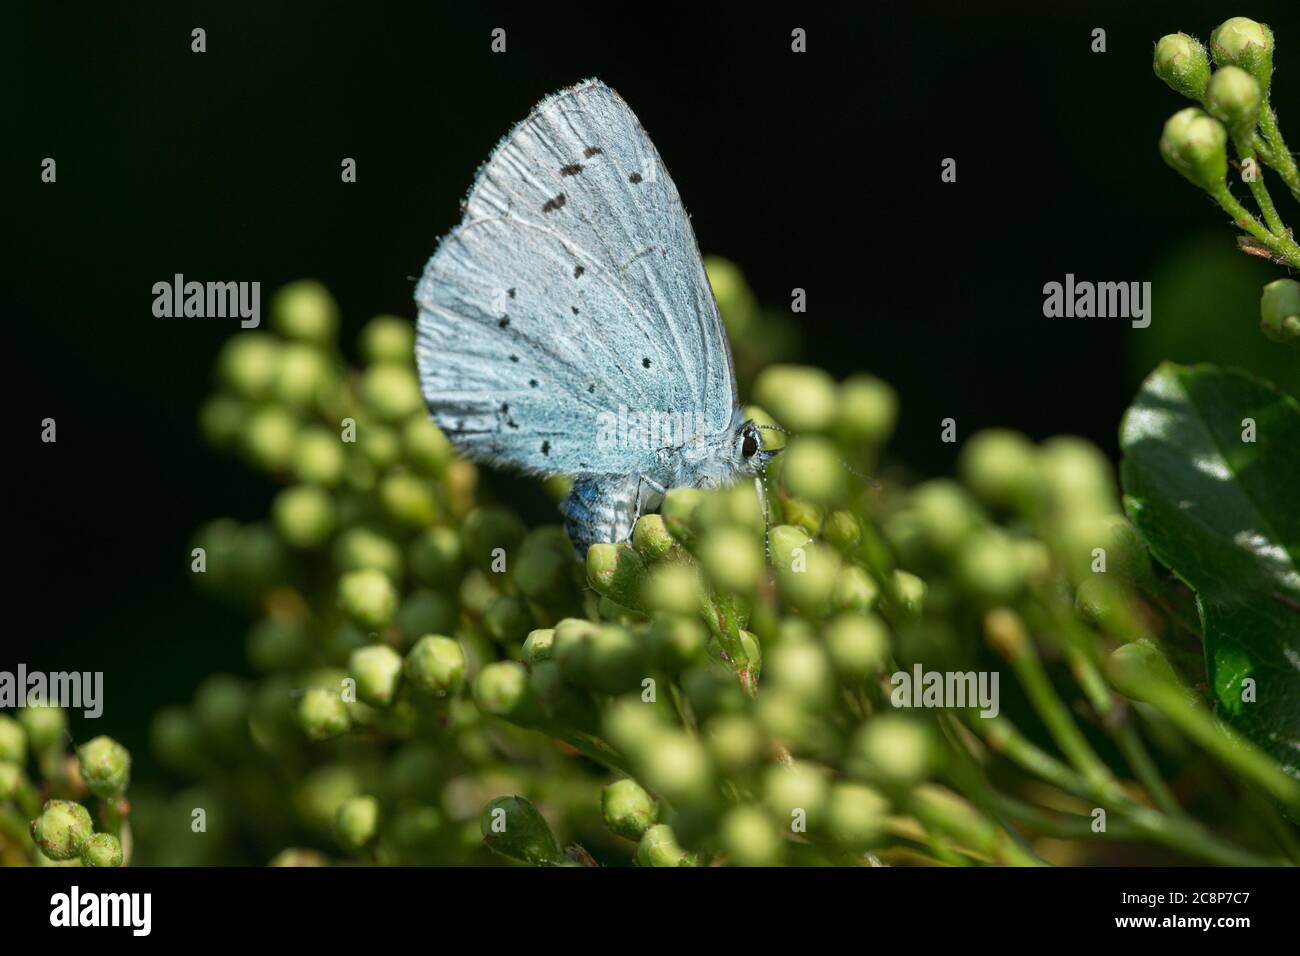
1223	513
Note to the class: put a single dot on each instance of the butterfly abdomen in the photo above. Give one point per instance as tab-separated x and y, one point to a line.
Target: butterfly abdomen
600	510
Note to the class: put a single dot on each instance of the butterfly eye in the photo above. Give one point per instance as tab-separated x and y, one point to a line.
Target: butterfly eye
750	445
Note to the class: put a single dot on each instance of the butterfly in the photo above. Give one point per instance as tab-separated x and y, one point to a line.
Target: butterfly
567	326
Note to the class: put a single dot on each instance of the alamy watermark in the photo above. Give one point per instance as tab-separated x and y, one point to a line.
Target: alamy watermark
959	689
1098	300
71	690
651	430
209	300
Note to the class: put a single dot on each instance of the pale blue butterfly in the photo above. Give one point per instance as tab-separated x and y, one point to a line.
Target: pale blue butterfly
567	325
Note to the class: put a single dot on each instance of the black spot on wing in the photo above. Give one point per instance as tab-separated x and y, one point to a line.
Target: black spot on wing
514	358
551	205
503	322
532	383
645	363
571	170
574	308
591	151
546	448
578	271
510	292
634	178
591	389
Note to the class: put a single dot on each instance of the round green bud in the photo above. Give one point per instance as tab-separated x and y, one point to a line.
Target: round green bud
1000	467
842	530
1193	143
435	558
1279	311
436	665
490	535
749	837
368	597
616	571
803	514
1079	475
378	673
807	580
386	338
508	620
628	809
1140	671
678	508
539	646
13	741
45	726
803	399
543	573
248	364
391	391
303	515
381	446
796	794
512	827
659	847
854	590
651	538
677	767
276	644
1245	43
733	558
1233	97
677	641
673	588
894	749
317	456
426	447
1181	61
945	515
269	435
801	668
735	300
322	714
501	688
408	499
102	849
357	823
812	470
909	593
105	767
856	815
305	310
989	568
866	411
613	661
859	647
359	548
304	377
62	829
735	741
221	419
12	780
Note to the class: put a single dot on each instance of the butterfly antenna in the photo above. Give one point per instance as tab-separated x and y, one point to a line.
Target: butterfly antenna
760	486
866	479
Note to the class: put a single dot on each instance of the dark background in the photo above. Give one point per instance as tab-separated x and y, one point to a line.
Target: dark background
819	171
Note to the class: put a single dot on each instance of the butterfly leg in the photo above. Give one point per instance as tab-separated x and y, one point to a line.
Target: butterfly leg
641	500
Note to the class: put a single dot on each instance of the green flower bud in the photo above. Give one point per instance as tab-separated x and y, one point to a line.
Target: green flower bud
733	559
1243	42
796	794
1001	468
357	823
945	811
855	816
426	447
812	469
105	767
368	597
989	568
436	665
1181	61
677	767
303	515
386	338
361	548
1079	474
391	391
45	726
615	661
802	669
858	646
628	809
866	411
651	538
1233	97
673	588
221	419
842	530
508	620
1193	144
305	376
13	741
62	829
538	646
322	714
616	571
276	644
750	838
1279	311
543	573
659	847
512	827
305	310
807	578
12	780
269	436
102	849
895	750
435	558
317	456
502	689
945	514
489	533
325	789
248	364
735	300
378	672
803	399
676	642
802	514
854	590
408	500
1140	671
561	701
735	741
381	446
909	593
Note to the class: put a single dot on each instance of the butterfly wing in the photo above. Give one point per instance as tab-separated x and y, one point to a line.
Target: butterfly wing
572	287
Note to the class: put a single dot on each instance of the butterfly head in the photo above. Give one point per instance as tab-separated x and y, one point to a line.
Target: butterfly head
751	457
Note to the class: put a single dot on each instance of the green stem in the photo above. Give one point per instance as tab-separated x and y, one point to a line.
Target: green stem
1258	188
1279	157
1281	246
